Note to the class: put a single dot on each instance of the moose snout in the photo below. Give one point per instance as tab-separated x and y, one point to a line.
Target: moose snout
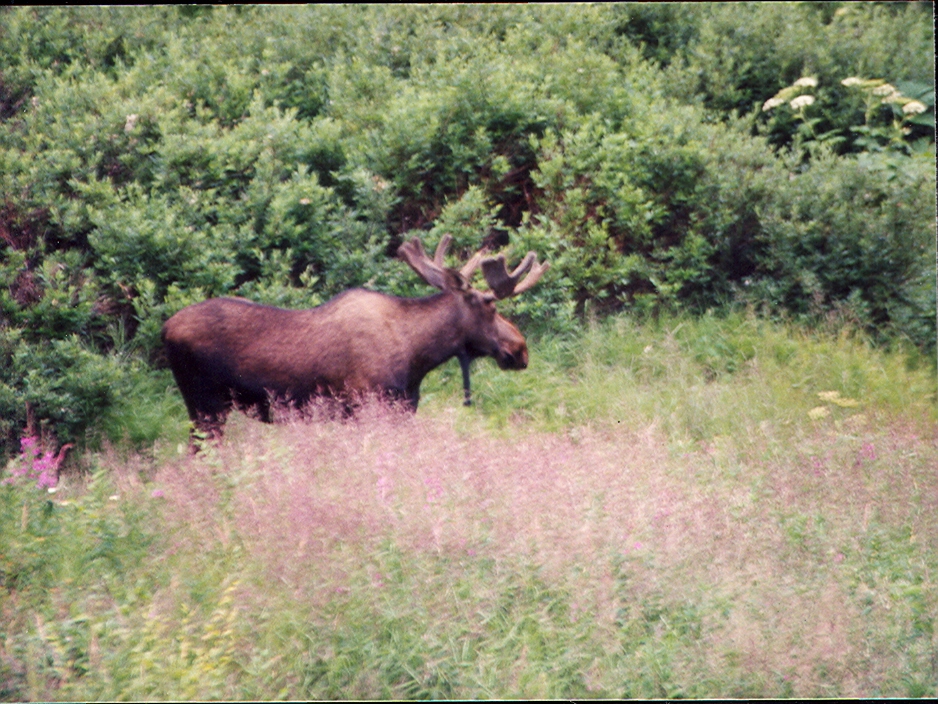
511	350
514	359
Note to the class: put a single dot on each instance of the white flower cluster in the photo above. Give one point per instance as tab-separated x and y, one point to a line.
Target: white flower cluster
887	93
802	101
791	95
885	89
772	103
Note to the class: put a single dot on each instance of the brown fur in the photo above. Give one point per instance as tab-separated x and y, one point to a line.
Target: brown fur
229	351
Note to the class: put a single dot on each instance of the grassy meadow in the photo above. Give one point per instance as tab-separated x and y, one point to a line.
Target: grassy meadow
710	507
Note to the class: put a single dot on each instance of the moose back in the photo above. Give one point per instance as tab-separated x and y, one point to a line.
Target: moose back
229	352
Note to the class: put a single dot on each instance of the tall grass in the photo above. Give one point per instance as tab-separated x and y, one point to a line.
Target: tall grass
696	378
647	512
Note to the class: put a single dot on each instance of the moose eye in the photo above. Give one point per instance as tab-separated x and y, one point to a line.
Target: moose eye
477	300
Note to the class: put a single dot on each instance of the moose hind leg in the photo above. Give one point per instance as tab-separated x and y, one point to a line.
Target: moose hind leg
207	426
208	411
256	404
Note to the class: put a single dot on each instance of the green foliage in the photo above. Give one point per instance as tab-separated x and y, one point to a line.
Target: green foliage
854	238
892	120
49	548
149	159
697	377
734	56
66	384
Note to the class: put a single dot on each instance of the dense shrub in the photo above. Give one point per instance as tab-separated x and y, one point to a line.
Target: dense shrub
151	158
855	237
734	56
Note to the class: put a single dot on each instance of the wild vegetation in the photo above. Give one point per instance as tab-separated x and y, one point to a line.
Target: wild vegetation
152	158
707	508
716	478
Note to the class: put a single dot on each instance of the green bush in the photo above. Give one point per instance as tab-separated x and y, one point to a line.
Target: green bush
151	158
855	237
67	385
733	57
662	214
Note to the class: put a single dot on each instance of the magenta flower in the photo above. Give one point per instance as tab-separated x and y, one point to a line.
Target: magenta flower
434	489
384	487
42	468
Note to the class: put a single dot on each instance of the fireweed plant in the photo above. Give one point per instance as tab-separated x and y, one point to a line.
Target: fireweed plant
34	464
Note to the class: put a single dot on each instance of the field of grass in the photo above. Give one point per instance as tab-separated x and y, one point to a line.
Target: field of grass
714	507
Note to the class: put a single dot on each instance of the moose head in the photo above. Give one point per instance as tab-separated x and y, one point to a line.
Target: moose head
486	332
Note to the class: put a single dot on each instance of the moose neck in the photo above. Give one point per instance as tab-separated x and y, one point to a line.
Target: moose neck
439	330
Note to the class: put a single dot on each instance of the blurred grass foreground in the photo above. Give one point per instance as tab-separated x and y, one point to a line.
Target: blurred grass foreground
657	512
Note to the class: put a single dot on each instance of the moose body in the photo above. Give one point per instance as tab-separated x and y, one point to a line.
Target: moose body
230	352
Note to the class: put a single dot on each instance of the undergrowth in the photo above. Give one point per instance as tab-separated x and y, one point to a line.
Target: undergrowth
720	507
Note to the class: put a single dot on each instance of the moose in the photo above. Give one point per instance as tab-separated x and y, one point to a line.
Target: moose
232	353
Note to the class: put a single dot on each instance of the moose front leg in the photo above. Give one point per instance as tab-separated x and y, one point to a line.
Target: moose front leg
464	361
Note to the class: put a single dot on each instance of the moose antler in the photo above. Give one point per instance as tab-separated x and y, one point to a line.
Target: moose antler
441	248
430	270
433	271
505	285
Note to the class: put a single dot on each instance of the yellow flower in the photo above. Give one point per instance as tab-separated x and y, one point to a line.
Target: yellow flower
835	398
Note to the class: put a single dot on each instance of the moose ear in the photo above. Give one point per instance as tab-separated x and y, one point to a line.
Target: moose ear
454	281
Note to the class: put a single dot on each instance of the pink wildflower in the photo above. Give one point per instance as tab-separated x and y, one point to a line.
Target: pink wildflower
42	468
384	488
46	471
434	489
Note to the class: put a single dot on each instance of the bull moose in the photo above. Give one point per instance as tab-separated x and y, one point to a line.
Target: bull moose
230	352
